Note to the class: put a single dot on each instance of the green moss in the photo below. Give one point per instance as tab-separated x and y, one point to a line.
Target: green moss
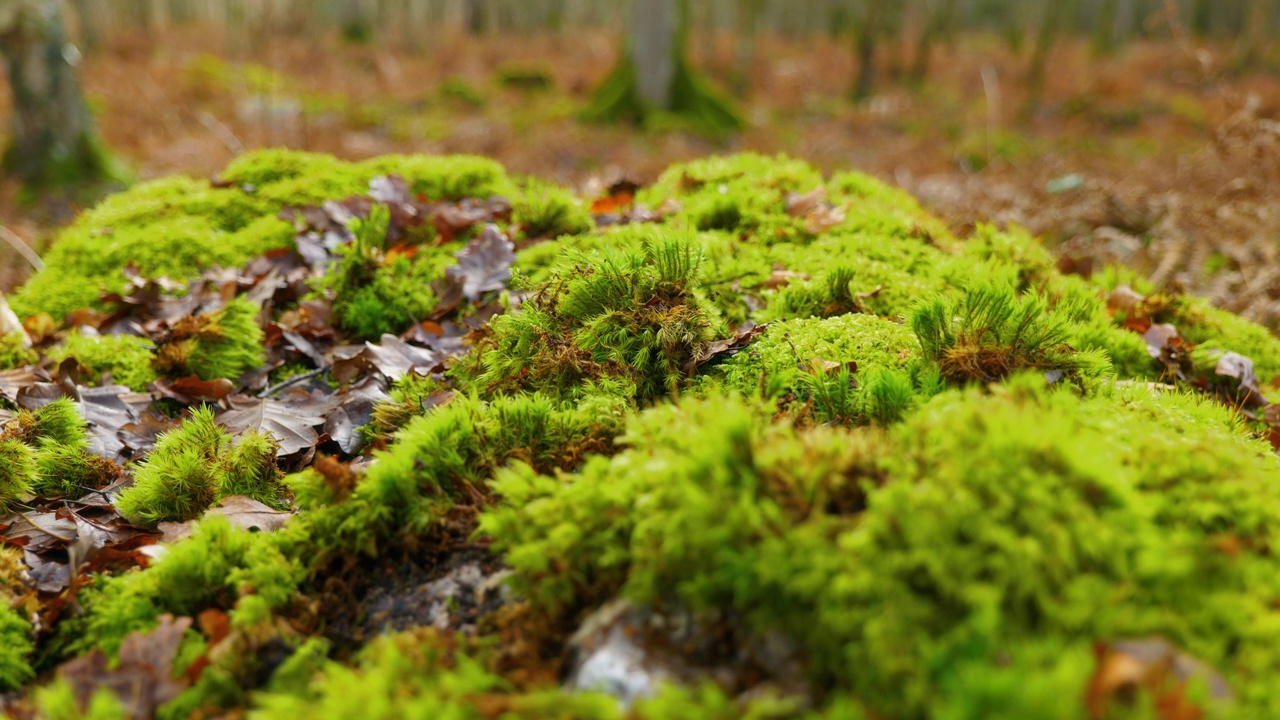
177	226
546	211
217	567
13	354
16	645
986	526
373	295
58	422
633	314
194	466
69	470
989	333
219	344
127	358
405	401
58	701
17	472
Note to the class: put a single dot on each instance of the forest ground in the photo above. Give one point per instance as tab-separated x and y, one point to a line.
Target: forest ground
1156	157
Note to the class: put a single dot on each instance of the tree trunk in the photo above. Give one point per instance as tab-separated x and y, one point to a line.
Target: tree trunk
53	140
864	49
655	25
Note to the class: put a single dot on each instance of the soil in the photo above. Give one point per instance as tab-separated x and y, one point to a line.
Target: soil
1156	157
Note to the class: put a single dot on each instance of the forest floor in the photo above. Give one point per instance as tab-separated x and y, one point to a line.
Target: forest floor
1157	157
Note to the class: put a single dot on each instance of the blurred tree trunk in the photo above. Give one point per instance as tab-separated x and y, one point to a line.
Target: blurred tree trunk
1253	40
1201	16
937	18
1051	22
1104	27
53	140
88	25
748	21
864	48
655	25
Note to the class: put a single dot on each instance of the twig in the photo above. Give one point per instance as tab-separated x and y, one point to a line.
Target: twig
222	132
21	247
295	380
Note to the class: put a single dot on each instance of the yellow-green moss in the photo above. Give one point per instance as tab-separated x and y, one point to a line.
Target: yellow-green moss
177	226
194	466
13	354
126	358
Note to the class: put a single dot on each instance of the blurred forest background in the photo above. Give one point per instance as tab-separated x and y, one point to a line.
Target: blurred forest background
1144	132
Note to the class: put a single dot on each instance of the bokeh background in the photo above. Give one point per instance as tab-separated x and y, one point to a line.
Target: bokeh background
1143	132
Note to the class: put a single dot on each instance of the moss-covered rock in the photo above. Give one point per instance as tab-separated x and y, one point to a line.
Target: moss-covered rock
938	484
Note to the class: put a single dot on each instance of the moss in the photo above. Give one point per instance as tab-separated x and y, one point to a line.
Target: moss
177	226
126	358
989	333
58	701
197	464
1203	324
987	525
374	295
406	400
17	472
219	344
16	645
633	314
13	354
217	567
70	470
58	422
546	211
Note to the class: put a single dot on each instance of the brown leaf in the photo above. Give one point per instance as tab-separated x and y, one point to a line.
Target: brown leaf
484	265
1238	369
392	357
142	680
1156	666
241	511
728	346
140	437
191	390
288	423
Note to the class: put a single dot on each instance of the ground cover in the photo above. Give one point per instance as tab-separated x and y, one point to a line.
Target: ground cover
411	437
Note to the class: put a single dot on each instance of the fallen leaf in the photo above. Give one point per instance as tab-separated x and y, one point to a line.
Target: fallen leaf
292	429
484	264
142	680
191	390
728	346
140	437
1154	665
1238	369
241	511
392	357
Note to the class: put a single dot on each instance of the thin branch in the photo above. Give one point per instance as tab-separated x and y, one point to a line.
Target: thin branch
295	380
21	247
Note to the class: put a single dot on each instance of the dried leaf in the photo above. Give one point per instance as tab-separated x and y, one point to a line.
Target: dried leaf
484	265
286	422
1154	665
142	680
728	346
1245	392
241	511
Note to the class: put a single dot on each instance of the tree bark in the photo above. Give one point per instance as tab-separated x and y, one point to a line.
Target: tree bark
655	25
52	134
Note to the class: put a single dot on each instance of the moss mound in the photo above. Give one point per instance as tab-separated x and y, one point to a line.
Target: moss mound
839	462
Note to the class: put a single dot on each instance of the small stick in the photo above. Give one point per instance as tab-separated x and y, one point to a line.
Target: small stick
21	247
296	379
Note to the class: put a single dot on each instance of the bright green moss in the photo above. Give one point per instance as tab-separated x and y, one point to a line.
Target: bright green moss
989	333
58	422
196	465
17	472
218	566
406	400
16	645
58	701
633	313
544	210
220	344
126	358
372	295
13	354
795	359
69	470
177	226
911	568
1202	324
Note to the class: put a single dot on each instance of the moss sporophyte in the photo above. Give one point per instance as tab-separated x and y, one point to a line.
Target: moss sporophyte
857	466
